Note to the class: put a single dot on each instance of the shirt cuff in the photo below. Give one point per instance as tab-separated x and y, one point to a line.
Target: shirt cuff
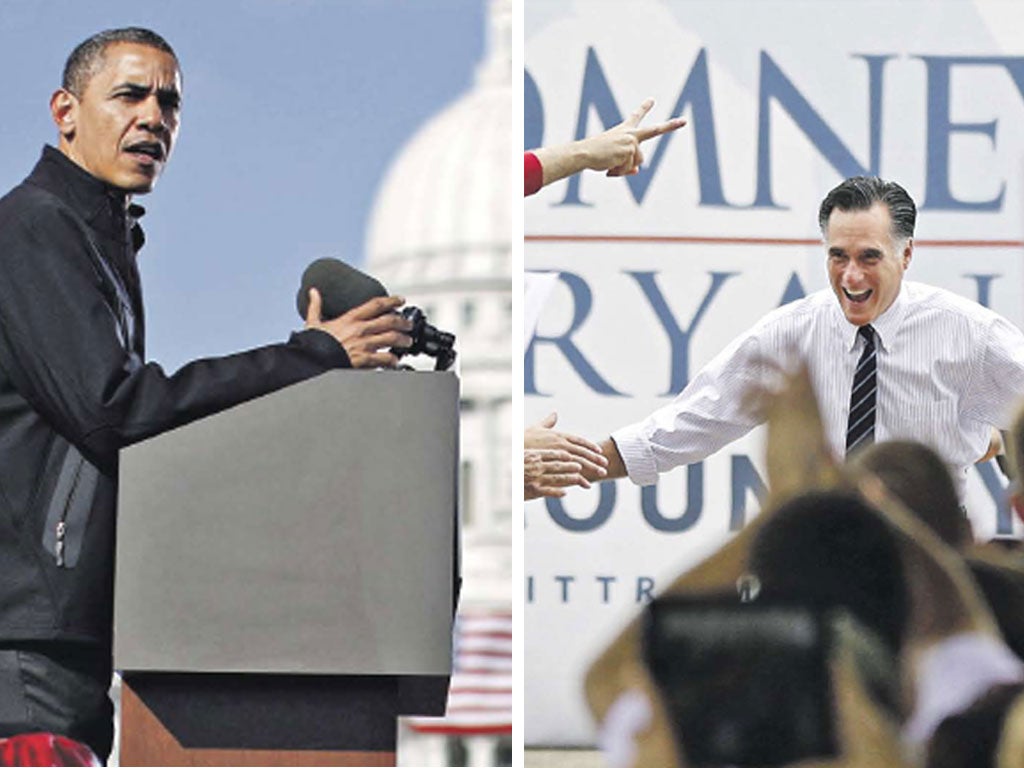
636	454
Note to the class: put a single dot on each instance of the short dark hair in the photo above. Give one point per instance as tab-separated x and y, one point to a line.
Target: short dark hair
920	479
830	550
1003	589
87	58
860	193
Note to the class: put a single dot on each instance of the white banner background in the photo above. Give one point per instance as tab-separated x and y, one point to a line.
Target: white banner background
948	127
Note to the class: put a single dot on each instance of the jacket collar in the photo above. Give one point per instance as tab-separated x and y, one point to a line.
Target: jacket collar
102	206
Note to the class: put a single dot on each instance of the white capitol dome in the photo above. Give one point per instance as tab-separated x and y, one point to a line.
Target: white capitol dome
448	186
442	227
441	235
442	213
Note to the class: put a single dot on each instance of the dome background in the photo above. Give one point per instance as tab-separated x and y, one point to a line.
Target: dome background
441	235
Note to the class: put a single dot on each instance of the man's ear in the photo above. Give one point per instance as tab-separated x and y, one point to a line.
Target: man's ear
64	111
908	252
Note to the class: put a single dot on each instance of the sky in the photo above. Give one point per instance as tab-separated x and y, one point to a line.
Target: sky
292	112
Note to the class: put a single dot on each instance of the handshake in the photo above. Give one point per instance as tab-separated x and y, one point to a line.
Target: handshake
553	461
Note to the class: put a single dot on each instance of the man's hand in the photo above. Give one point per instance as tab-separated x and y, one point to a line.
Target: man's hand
995	447
616	151
547	472
365	330
553	461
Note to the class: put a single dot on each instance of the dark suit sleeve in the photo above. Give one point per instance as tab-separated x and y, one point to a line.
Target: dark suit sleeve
60	346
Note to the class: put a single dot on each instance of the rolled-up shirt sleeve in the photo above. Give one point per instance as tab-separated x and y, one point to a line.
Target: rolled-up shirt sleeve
717	407
998	386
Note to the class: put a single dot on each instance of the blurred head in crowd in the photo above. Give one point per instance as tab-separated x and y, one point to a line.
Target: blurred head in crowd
1003	589
972	738
831	550
916	476
920	479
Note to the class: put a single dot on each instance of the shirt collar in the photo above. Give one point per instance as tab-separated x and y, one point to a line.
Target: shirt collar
101	205
886	324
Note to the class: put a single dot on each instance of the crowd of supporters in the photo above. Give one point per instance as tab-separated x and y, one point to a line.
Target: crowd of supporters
921	626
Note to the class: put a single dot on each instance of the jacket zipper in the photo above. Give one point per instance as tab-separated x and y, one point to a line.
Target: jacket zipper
62	528
62	525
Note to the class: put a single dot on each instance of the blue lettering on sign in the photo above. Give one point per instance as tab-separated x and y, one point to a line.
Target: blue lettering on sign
644	589
605	507
582	297
696	94
575	588
582	301
745	480
679	339
694	503
565	581
777	88
794	290
984	283
533	114
941	129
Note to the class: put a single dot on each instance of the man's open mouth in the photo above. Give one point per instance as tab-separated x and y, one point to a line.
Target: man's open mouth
858	297
153	149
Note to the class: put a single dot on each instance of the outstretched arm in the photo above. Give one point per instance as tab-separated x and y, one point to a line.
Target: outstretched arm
616	151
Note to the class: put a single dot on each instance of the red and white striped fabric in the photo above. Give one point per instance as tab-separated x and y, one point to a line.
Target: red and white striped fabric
45	749
480	695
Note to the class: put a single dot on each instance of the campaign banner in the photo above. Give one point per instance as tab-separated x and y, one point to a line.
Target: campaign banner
659	271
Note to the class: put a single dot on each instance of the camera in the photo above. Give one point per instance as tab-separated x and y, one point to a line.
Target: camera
749	684
427	340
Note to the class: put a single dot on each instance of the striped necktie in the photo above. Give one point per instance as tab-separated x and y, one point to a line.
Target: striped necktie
861	426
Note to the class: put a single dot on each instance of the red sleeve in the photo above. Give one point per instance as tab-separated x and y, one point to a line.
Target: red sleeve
45	749
534	174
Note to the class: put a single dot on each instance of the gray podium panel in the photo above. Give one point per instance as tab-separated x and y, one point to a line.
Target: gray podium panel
307	531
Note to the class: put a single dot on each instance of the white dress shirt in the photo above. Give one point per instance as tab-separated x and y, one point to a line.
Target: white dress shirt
948	371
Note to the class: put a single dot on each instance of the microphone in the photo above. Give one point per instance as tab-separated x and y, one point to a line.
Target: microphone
341	288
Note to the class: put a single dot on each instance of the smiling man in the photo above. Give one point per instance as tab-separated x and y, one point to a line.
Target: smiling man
889	358
75	385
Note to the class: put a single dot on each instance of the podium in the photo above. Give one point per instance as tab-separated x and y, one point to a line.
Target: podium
286	575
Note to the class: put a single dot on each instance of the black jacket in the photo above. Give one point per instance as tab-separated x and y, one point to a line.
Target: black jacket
75	388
